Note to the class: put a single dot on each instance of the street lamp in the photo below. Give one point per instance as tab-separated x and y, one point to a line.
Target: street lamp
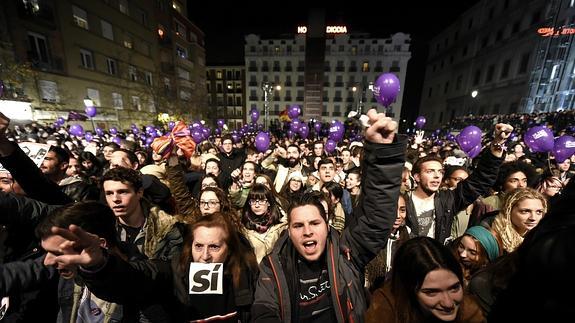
361	90
474	94
88	102
268	89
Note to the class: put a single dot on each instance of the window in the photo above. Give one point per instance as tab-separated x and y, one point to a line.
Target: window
524	63
48	91
148	77
136	103
179	29
183	74
177	6
515	27
142	16
117	101
219	75
38	47
133	73
181	52
128	42
505	69
476	77
365	67
151	105
185	95
80	17
107	30
87	59
112	66
167	84
446	88
490	72
429	92
94	95
123	5
458	82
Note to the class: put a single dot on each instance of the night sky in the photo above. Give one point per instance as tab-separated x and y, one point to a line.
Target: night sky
226	25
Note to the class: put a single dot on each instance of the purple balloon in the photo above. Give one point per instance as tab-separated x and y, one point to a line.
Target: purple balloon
254	115
113	130
386	88
317	126
336	130
295	125
197	135
99	131
218	131
294	111
564	148
262	141
77	130
330	146
171	125
60	120
117	140
235	137
290	133
539	139
207	132
149	141
135	130
304	131
474	151
469	138
221	123
420	122
91	111
88	136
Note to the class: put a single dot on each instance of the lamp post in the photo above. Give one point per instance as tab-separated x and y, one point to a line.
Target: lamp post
88	102
268	89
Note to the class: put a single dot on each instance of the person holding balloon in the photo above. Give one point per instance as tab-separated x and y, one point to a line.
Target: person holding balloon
431	211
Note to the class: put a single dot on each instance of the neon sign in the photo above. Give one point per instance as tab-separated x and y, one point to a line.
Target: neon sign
550	31
328	29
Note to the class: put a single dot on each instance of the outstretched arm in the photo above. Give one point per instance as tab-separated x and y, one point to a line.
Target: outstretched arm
383	161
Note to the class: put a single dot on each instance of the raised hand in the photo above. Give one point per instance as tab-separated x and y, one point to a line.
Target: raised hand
4	123
81	248
418	139
381	128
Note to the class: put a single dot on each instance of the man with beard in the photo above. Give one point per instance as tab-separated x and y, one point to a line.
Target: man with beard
284	162
430	211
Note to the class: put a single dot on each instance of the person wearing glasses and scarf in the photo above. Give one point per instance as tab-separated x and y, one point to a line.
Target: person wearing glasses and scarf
263	220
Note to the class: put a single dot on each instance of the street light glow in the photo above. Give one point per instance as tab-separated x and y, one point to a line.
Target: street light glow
474	93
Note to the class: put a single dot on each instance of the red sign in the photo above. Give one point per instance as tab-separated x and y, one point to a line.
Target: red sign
551	31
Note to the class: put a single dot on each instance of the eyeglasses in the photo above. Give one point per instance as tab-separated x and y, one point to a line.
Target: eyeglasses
258	202
209	185
210	203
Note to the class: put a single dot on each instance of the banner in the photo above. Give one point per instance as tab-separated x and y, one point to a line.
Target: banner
35	151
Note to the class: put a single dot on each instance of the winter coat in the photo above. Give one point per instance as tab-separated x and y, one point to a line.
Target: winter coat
346	255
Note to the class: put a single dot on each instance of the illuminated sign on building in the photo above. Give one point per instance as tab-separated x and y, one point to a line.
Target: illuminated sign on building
551	31
328	29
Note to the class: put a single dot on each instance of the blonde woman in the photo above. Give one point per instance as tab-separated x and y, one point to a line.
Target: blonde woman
522	210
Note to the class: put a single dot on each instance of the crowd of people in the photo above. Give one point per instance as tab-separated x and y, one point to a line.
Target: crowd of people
394	228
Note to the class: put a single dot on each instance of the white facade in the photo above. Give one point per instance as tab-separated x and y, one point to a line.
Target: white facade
351	61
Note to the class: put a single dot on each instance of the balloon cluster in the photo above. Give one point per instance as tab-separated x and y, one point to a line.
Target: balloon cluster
540	139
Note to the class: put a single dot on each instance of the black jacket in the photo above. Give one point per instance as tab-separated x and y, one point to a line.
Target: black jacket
346	255
448	202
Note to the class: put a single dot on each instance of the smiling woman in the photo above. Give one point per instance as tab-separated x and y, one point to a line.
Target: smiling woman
426	285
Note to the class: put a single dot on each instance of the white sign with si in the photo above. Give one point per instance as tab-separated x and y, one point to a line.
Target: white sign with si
206	278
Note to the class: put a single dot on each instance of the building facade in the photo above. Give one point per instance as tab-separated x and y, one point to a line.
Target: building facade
351	64
111	51
226	95
483	62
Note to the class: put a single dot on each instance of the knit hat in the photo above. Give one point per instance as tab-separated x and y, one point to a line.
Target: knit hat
487	240
297	175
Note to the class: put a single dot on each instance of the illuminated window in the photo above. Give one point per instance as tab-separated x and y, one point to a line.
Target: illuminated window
38	47
48	91
180	29
219	75
148	76
128	42
365	67
177	6
94	95
181	52
117	101
80	17
123	5
136	104
133	73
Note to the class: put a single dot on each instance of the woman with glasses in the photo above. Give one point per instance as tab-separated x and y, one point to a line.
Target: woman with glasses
263	220
294	187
